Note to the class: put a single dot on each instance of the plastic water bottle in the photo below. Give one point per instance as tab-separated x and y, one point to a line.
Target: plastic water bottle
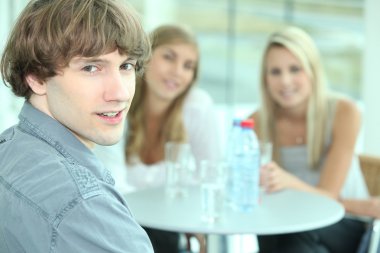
233	144
233	139
245	166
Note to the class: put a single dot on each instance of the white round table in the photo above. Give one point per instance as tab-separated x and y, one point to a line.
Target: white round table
283	212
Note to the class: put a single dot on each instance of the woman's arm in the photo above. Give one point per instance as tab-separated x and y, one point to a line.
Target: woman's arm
339	157
366	207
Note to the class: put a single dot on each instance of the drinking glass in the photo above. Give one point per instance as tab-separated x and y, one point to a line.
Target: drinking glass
266	149
213	177
179	163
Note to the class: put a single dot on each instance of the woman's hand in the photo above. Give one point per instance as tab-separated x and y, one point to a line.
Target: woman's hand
273	178
375	207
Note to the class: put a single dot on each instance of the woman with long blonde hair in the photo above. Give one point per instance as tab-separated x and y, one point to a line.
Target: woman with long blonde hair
314	134
167	106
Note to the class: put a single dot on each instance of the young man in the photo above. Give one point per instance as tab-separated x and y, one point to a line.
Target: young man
75	62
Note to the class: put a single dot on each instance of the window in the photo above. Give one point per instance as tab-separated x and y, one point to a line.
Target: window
232	34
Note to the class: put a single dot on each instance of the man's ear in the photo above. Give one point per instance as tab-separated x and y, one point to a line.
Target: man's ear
37	86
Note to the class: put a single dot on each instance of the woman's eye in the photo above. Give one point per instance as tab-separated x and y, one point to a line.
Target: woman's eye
90	68
274	72
128	66
295	69
189	66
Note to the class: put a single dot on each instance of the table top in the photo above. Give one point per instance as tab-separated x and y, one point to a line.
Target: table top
282	212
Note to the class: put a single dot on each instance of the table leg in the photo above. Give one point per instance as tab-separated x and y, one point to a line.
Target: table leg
215	244
232	244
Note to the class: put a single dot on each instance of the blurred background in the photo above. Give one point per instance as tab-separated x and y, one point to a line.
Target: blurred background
232	34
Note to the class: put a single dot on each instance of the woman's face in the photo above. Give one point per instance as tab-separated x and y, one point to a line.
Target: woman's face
287	82
170	70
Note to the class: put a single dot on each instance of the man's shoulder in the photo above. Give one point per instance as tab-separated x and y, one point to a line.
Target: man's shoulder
14	137
21	152
7	134
39	176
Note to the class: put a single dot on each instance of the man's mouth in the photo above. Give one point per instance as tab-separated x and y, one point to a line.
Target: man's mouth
109	114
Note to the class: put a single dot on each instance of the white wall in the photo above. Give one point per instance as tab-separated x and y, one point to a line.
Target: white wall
10	105
4	96
371	79
165	15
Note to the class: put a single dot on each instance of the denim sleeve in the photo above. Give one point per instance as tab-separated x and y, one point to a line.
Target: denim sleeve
100	224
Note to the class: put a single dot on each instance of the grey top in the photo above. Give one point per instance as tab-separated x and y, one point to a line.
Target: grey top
294	160
55	196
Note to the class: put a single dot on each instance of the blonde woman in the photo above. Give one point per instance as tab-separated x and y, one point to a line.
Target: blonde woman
166	108
314	134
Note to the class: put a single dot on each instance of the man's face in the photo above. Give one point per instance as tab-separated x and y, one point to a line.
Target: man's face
91	97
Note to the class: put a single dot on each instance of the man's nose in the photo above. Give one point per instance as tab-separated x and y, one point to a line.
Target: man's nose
117	87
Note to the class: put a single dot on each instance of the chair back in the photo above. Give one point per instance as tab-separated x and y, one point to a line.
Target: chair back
370	166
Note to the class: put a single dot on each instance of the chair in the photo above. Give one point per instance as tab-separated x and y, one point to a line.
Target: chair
370	166
200	239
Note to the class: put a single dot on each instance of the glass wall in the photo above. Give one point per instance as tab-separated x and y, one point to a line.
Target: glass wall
232	34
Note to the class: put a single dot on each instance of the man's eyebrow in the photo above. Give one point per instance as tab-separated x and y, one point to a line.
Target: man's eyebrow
170	50
80	60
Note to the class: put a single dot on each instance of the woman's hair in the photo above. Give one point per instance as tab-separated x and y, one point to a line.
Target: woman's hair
300	44
49	33
172	128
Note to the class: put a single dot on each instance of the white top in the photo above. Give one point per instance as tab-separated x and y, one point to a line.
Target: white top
202	130
277	213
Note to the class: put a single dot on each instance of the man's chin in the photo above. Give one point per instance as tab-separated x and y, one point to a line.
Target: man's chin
109	141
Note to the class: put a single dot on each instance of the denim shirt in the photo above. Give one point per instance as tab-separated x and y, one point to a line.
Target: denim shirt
55	196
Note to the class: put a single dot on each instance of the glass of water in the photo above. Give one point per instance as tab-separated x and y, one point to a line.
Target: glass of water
266	149
178	161
212	175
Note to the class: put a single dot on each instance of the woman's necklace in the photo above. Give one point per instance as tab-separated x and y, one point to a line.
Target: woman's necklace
291	131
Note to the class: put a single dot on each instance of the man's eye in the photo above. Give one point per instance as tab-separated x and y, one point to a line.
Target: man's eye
90	68
128	66
168	56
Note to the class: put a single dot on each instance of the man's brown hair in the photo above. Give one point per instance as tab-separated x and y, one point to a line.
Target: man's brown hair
49	33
